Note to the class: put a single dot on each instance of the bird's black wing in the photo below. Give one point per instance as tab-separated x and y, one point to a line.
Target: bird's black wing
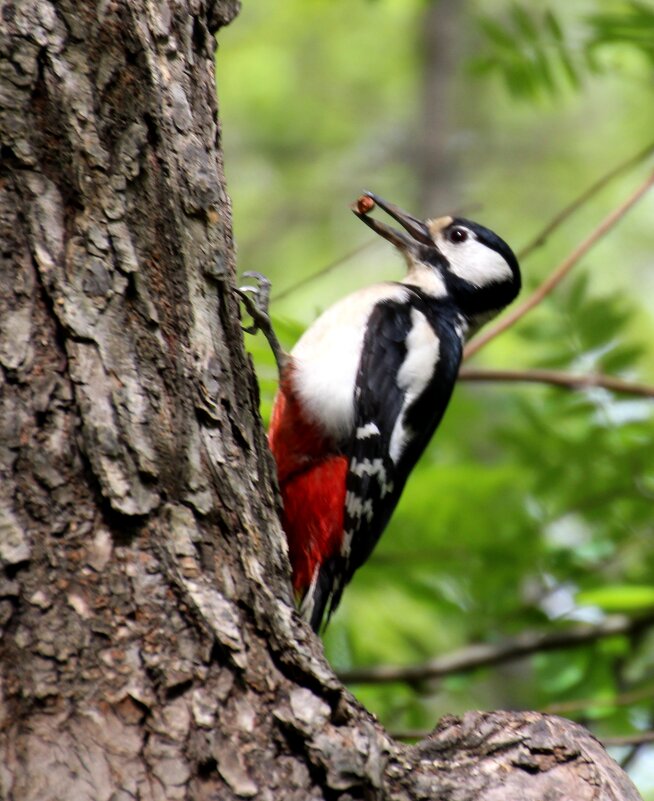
391	399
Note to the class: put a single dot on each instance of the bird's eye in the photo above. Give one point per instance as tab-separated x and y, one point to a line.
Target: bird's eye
457	234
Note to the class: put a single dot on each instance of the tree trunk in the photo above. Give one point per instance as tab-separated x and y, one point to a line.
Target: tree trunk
149	647
434	154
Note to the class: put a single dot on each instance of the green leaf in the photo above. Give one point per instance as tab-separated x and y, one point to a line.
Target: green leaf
553	26
524	24
633	27
529	51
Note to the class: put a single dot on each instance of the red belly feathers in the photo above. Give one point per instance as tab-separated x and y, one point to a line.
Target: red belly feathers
312	482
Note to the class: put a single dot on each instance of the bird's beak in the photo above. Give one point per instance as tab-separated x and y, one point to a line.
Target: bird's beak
416	228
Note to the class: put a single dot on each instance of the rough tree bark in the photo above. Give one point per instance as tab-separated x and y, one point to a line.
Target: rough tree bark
149	646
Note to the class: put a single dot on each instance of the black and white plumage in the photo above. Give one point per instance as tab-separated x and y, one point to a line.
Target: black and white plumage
369	382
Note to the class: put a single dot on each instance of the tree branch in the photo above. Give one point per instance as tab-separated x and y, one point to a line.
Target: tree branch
486	654
289	290
629	739
558	378
580	704
527	755
560	272
642	738
559	218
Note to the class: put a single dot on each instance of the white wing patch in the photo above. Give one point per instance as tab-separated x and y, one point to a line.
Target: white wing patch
326	357
369	430
373	467
417	370
346	545
356	507
461	327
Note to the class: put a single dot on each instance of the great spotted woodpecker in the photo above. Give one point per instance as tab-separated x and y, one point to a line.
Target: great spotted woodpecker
366	386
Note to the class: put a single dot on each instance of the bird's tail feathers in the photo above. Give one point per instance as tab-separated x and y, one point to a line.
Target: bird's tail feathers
319	596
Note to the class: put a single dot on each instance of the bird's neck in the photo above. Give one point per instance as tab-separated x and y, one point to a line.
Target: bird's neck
429	281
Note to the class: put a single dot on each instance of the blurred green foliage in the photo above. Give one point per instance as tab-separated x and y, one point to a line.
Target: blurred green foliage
530	51
534	53
533	507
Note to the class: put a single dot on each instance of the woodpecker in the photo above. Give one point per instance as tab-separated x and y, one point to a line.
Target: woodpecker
366	386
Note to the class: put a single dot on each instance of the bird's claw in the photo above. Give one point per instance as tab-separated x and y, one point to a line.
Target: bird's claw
256	299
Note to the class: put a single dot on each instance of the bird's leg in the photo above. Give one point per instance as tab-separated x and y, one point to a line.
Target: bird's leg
256	299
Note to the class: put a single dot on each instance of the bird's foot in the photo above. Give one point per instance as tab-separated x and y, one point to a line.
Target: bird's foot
256	299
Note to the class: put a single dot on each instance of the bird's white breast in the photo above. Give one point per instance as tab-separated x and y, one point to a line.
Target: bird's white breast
326	357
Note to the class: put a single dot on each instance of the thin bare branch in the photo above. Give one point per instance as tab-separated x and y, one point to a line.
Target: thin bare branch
629	739
481	655
558	219
324	270
581	704
555	278
559	378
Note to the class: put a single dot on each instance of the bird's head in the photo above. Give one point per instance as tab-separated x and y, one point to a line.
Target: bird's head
451	256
